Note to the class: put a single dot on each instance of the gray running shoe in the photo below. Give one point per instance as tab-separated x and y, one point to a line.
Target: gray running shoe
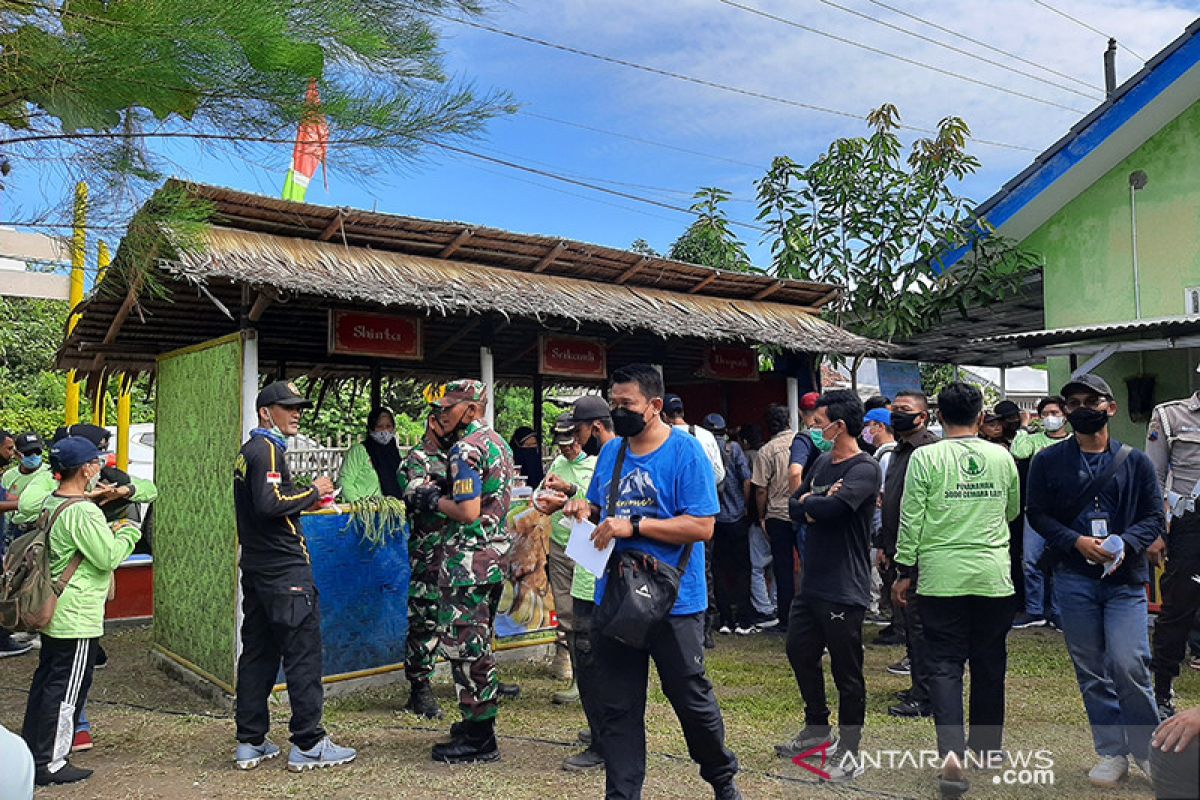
250	756
324	754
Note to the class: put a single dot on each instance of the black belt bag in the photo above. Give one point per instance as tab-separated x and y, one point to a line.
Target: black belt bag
641	589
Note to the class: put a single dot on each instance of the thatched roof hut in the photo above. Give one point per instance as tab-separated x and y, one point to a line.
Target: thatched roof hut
280	266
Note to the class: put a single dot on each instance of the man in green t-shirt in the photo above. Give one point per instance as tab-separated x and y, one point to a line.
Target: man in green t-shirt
959	496
1039	598
568	476
31	476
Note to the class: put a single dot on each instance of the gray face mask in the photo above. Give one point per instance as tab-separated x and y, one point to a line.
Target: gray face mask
383	437
93	481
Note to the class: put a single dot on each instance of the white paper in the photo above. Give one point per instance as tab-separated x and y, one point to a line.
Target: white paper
1115	545
582	550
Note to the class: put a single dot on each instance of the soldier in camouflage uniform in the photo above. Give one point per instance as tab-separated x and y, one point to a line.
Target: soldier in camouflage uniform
475	545
424	464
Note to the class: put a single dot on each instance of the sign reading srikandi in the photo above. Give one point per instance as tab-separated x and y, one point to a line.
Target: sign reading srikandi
572	357
726	363
360	333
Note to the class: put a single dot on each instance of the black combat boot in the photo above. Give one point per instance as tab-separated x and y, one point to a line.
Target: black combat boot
421	701
477	743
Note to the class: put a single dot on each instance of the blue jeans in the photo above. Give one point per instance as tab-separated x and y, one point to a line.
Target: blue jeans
762	597
1105	625
1037	596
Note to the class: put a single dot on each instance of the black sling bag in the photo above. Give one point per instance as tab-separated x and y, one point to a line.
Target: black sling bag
641	589
1098	484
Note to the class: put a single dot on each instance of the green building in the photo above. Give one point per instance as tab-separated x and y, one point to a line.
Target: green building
1113	212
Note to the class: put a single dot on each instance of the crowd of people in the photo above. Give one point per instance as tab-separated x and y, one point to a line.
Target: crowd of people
948	523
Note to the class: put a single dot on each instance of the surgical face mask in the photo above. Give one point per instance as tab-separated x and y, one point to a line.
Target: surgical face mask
31	462
1053	424
383	437
627	423
93	481
818	438
868	436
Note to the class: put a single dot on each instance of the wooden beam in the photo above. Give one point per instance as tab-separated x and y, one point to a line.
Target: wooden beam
634	270
509	362
459	241
450	341
119	318
262	303
548	259
704	283
333	227
770	290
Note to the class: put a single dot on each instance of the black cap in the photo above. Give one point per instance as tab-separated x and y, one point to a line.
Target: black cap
588	408
672	404
1087	382
93	433
72	451
28	442
1007	408
282	393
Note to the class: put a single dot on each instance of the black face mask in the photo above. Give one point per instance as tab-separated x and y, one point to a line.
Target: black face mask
592	446
1088	420
903	422
628	423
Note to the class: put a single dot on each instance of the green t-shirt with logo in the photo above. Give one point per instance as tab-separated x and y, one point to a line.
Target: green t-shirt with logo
577	472
959	495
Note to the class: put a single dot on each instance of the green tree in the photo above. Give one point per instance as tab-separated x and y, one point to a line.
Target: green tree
33	395
878	223
710	240
89	85
935	377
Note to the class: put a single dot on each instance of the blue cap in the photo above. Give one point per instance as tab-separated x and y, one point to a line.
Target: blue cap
714	422
72	451
880	415
672	404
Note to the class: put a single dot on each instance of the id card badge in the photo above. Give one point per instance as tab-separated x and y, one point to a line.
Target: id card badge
1098	524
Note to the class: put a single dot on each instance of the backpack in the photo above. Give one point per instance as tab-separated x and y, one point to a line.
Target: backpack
28	594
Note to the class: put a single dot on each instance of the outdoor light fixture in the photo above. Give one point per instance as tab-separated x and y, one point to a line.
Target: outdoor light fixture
1137	182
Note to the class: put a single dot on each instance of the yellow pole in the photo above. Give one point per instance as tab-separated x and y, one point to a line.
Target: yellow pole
100	404
103	259
78	254
123	416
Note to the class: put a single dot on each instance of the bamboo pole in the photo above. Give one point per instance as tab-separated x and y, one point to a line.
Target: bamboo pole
78	256
124	412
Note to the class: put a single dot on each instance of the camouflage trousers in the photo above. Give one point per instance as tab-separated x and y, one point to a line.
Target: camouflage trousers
424	639
467	617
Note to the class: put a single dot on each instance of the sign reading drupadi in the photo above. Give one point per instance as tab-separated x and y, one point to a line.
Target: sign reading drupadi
725	363
360	333
572	357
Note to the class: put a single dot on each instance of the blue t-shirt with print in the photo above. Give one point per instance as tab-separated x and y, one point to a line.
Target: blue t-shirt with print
674	480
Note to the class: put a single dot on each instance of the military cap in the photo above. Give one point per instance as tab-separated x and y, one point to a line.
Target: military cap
463	390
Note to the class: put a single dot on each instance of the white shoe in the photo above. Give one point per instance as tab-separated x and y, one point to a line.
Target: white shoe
1110	771
724	630
848	768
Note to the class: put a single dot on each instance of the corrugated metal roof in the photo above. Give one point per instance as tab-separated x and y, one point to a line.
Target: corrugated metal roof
1161	327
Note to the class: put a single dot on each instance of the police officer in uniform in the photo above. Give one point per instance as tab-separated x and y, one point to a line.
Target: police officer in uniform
424	464
470	576
281	616
1173	444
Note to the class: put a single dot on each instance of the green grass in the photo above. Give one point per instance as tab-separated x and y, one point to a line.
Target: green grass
179	750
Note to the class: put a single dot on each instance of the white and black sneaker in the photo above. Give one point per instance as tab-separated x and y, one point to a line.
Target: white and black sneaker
1023	620
848	767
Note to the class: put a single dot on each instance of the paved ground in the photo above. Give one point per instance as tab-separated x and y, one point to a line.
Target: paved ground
156	739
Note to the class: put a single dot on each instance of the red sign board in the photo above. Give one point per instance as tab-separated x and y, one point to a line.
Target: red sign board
724	363
572	357
361	333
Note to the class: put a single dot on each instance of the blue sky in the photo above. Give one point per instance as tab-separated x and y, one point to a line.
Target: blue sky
714	41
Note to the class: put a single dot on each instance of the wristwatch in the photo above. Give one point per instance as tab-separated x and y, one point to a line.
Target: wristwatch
636	521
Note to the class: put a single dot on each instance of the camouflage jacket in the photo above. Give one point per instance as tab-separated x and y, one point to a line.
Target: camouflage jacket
421	464
481	465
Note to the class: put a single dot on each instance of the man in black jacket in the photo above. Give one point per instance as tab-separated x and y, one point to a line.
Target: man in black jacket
910	423
281	617
1096	502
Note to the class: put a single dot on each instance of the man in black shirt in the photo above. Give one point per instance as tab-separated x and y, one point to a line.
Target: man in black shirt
281	617
837	503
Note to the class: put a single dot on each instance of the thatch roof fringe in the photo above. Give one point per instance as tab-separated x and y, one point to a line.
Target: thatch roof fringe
359	275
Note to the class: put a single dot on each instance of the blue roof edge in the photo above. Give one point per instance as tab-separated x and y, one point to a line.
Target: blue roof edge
1160	72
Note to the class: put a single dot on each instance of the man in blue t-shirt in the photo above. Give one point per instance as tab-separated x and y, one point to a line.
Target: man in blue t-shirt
666	500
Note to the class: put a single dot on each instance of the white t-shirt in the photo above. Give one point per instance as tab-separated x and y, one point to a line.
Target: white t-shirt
711	448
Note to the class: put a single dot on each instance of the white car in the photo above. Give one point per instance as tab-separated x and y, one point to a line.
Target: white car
141	449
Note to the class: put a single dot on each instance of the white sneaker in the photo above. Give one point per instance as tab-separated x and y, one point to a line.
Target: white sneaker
1110	771
724	630
750	631
848	768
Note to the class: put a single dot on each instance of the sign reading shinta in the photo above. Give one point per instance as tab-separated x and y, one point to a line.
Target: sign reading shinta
361	333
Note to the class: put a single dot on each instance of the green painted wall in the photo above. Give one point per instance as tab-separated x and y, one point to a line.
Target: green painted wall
1086	249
